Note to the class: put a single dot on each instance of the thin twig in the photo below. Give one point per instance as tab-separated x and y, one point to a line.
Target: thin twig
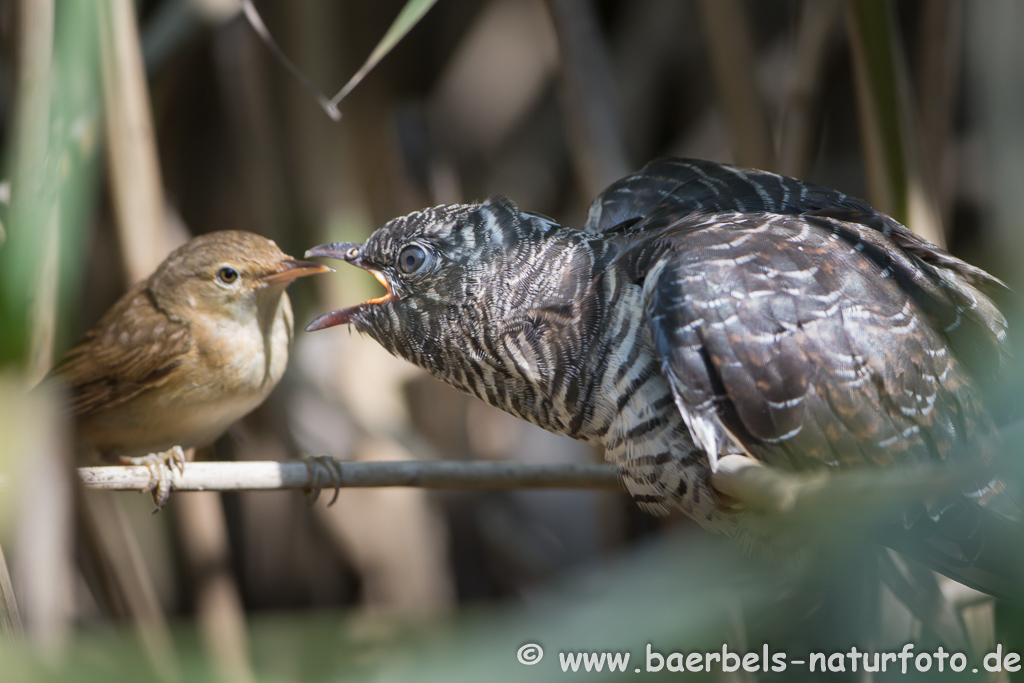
747	481
256	21
270	475
407	18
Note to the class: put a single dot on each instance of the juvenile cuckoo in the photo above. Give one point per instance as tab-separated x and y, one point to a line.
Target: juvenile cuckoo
703	310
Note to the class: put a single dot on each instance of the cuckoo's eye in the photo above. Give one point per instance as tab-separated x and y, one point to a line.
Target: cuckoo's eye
227	275
412	259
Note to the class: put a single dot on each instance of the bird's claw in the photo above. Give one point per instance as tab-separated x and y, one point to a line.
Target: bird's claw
162	467
176	459
324	472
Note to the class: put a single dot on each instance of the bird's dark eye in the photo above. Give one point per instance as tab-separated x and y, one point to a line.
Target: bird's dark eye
227	275
412	259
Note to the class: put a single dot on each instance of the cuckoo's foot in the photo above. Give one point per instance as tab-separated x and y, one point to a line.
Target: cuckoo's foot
324	472
161	468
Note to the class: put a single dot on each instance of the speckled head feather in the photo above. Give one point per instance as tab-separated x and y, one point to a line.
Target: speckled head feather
204	254
501	306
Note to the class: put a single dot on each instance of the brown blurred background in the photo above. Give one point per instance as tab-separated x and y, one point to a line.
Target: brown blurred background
912	104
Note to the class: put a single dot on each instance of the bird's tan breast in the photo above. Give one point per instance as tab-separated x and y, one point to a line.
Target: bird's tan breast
229	371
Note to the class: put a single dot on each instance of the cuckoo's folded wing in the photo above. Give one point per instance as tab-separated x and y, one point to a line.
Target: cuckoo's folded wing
687	186
800	344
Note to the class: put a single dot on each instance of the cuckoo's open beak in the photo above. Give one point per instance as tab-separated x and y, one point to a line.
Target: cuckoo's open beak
349	252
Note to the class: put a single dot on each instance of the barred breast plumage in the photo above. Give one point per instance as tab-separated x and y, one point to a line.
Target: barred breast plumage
702	310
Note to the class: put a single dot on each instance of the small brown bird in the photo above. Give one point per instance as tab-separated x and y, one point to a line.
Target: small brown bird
184	353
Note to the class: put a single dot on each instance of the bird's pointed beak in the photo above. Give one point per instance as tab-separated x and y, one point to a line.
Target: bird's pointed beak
350	252
345	251
291	269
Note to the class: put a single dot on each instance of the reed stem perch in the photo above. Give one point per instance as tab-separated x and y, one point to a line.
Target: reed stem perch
745	480
260	476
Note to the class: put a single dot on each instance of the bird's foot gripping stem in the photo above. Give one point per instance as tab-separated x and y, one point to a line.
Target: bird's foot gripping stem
162	467
324	472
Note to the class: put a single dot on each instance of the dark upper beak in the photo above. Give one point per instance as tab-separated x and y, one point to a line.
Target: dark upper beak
350	252
290	269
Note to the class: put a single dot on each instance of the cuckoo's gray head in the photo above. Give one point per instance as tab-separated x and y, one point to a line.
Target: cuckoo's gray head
457	278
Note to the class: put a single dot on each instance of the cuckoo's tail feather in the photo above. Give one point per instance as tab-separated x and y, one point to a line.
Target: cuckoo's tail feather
970	543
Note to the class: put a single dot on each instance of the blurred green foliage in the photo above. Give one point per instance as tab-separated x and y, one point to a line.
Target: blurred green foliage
56	187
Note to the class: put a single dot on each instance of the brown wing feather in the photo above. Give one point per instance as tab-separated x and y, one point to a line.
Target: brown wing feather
947	286
113	362
803	347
